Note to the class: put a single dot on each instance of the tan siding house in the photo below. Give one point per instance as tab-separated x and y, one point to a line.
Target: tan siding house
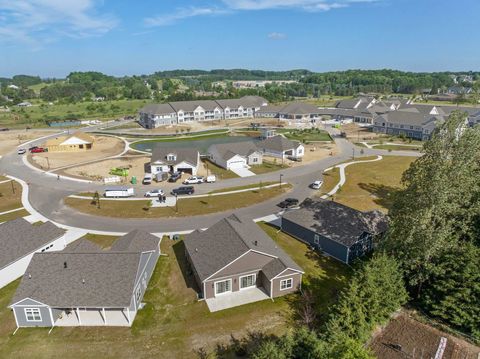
77	142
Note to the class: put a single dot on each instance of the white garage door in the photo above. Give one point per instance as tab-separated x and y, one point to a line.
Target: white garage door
237	164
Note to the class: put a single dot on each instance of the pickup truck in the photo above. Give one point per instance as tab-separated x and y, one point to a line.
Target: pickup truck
194	180
183	190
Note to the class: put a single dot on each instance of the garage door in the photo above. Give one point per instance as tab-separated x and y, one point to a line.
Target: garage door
185	170
237	164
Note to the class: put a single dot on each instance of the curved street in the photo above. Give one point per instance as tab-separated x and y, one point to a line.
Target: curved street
46	192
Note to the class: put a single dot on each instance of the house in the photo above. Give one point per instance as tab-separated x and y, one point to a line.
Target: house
234	257
267	133
281	147
299	111
19	241
84	285
79	141
202	110
337	230
24	104
153	116
235	155
166	160
408	122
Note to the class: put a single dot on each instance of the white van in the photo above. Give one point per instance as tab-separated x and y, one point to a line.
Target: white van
147	179
210	179
119	192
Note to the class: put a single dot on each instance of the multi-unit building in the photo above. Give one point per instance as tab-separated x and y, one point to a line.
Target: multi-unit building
152	116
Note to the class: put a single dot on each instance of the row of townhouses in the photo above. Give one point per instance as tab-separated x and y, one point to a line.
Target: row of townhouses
398	116
156	115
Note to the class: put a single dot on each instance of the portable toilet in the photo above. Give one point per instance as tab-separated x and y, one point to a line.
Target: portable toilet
134	180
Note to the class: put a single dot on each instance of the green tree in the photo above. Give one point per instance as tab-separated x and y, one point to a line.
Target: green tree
439	206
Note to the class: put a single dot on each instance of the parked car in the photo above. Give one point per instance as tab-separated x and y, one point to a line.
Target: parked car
38	150
288	203
175	177
211	179
21	151
32	148
154	193
4	129
183	190
194	180
317	184
147	179
295	159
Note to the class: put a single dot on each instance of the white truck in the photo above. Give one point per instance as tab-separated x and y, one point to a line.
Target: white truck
119	192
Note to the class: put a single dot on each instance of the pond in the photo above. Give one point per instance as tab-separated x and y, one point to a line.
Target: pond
200	145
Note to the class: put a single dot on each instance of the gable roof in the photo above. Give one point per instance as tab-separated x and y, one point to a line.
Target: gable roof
82	245
410	116
299	108
190	106
136	241
277	143
227	240
102	279
76	138
189	155
157	109
19	238
335	221
229	150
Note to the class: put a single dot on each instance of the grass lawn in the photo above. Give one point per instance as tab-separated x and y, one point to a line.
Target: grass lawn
218	171
102	241
186	206
8	199
266	167
255	185
13	215
370	185
330	180
398	148
188	136
173	323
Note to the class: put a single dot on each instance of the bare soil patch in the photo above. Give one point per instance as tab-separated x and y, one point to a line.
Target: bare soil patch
9	140
359	133
101	169
418	340
104	146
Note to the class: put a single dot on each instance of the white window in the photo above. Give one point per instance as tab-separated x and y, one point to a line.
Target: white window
138	294
33	315
171	157
223	286
286	284
248	281
316	239
255	159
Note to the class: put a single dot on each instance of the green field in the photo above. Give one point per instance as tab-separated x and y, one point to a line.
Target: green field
39	113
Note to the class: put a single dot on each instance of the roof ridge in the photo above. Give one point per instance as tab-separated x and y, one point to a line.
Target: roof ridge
227	219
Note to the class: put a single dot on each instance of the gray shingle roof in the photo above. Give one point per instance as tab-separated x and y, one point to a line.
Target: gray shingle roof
299	108
82	246
103	279
229	150
335	221
273	268
136	241
157	109
410	117
190	106
189	155
227	240
19	238
277	143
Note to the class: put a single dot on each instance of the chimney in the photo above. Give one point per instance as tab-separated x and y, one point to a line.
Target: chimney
65	265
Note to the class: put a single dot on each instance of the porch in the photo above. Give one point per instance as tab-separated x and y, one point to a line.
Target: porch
234	299
94	317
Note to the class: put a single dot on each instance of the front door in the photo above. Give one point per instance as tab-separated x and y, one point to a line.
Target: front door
223	286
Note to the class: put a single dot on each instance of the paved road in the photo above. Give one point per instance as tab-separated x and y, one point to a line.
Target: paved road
47	193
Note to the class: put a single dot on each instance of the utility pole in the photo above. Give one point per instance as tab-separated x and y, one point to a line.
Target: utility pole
176	203
281	175
13	186
353	153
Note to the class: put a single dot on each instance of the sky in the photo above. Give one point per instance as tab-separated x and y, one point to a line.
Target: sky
52	38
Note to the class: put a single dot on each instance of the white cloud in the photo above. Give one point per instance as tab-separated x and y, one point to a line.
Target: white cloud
307	5
183	13
42	21
277	36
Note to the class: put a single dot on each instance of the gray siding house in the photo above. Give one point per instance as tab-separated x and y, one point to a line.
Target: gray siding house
234	256
337	230
281	147
84	285
235	155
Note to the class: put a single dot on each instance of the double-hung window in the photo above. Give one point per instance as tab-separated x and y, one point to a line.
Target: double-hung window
33	314
286	284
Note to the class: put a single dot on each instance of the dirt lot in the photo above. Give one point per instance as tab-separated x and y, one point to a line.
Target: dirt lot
101	169
418	340
103	147
313	152
9	140
357	133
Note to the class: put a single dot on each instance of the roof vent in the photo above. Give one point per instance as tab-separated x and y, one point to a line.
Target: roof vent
65	265
256	243
29	276
83	280
196	250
